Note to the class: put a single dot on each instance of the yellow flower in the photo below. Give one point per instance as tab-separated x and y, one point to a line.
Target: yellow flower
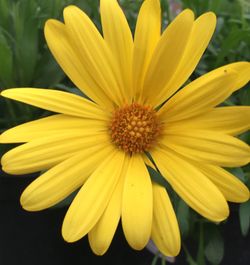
100	144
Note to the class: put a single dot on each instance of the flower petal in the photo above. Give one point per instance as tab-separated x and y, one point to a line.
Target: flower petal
230	186
94	52
51	125
243	69
147	35
57	101
209	147
200	95
194	48
167	55
191	185
229	120
70	59
61	180
91	201
165	229
137	204
46	152
101	235
118	36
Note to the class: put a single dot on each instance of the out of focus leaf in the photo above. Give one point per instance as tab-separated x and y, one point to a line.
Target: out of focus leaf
244	215
214	249
183	216
6	62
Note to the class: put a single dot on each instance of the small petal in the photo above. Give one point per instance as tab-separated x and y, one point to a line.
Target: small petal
165	229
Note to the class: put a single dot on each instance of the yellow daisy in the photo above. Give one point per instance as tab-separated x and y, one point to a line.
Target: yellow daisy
134	111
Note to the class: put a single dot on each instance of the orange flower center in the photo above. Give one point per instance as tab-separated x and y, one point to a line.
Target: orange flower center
134	128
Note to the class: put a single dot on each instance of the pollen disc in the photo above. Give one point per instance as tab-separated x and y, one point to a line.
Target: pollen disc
134	128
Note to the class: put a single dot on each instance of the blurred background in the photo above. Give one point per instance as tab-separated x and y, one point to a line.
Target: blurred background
25	61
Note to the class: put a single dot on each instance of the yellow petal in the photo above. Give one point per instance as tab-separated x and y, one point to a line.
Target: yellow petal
147	35
230	186
91	201
191	185
209	147
101	235
196	44
70	59
229	120
137	204
56	101
51	125
243	69
46	152
165	229
118	37
200	95
167	55
94	52
58	182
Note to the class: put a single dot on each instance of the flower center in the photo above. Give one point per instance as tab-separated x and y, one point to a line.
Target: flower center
134	128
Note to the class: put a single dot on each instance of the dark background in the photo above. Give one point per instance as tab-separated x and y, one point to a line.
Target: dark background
35	238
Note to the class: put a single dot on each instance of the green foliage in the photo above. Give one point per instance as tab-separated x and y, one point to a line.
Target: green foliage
214	249
244	214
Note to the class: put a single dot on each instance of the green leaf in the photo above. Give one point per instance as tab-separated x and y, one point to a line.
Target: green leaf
214	249
244	215
4	13
157	177
183	216
6	62
244	96
238	172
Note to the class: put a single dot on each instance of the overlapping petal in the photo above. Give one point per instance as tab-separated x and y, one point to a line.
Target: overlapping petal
64	178
167	55
68	57
137	204
200	95
102	233
208	147
191	185
194	48
147	35
46	152
230	186
91	201
119	39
